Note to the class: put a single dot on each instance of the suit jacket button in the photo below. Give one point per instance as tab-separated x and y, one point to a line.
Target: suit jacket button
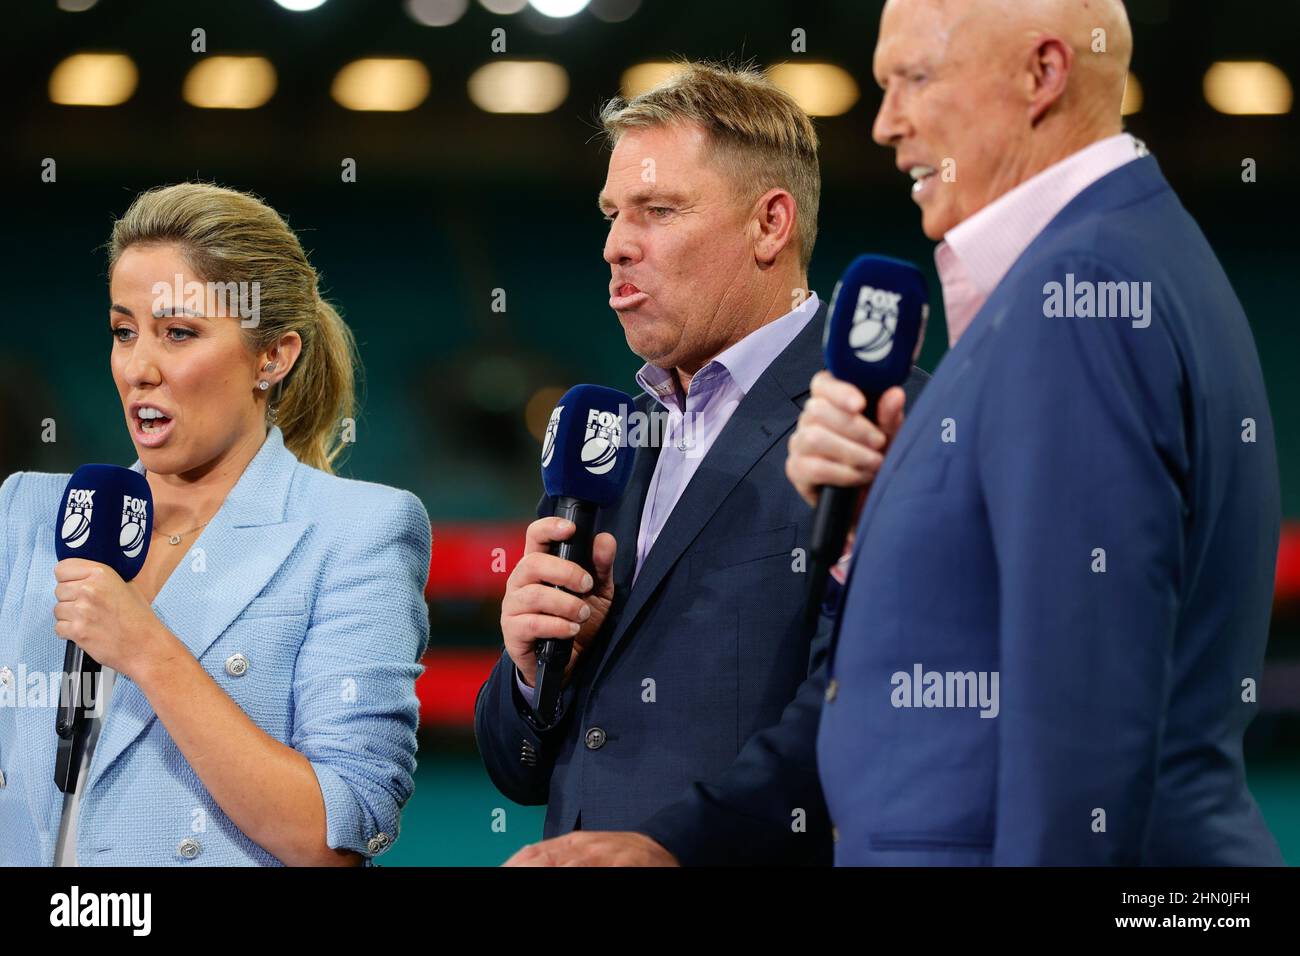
378	843
189	848
832	689
596	738
6	676
236	665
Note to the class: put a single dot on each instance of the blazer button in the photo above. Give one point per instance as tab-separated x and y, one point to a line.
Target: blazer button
378	843
6	676
236	665
596	738
832	689
189	848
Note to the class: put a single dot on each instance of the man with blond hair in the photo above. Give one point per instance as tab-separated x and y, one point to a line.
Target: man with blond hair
1056	616
688	643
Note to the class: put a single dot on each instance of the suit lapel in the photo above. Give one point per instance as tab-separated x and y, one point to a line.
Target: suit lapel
953	364
626	522
231	562
1121	186
765	414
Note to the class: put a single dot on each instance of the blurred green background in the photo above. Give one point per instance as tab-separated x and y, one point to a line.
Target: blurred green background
452	203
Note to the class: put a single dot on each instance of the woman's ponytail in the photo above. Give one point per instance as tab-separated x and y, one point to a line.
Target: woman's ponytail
318	398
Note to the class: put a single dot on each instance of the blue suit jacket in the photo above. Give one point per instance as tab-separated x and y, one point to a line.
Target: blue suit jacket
1042	448
317	580
720	767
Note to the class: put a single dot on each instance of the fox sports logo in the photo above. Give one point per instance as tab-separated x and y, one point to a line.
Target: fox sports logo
75	530
135	515
548	443
600	445
874	321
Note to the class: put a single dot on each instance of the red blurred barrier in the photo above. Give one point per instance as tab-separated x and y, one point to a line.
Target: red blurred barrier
471	561
450	684
467	566
1287	589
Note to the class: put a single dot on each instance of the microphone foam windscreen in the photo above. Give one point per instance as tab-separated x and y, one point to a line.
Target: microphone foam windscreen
877	323
585	454
106	516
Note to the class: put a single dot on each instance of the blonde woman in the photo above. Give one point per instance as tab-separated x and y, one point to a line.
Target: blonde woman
260	693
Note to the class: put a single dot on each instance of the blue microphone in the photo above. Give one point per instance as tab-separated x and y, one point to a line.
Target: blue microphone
586	463
106	516
878	313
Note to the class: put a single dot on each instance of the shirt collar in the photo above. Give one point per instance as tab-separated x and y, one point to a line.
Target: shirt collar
742	362
978	252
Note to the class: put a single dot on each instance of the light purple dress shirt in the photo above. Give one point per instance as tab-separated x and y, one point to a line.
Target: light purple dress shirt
694	421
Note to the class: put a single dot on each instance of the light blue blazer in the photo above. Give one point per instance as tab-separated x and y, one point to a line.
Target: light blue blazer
317	581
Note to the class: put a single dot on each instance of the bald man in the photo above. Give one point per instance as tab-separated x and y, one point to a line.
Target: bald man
1057	609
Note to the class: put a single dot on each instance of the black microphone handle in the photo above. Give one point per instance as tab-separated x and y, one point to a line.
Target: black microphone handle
70	719
873	404
553	653
77	666
831	520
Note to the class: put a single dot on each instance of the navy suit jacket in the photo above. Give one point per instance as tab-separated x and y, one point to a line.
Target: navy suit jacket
1089	509
714	620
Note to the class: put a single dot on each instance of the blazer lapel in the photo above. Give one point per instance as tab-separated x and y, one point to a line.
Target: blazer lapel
953	364
231	562
765	414
625	524
1119	187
